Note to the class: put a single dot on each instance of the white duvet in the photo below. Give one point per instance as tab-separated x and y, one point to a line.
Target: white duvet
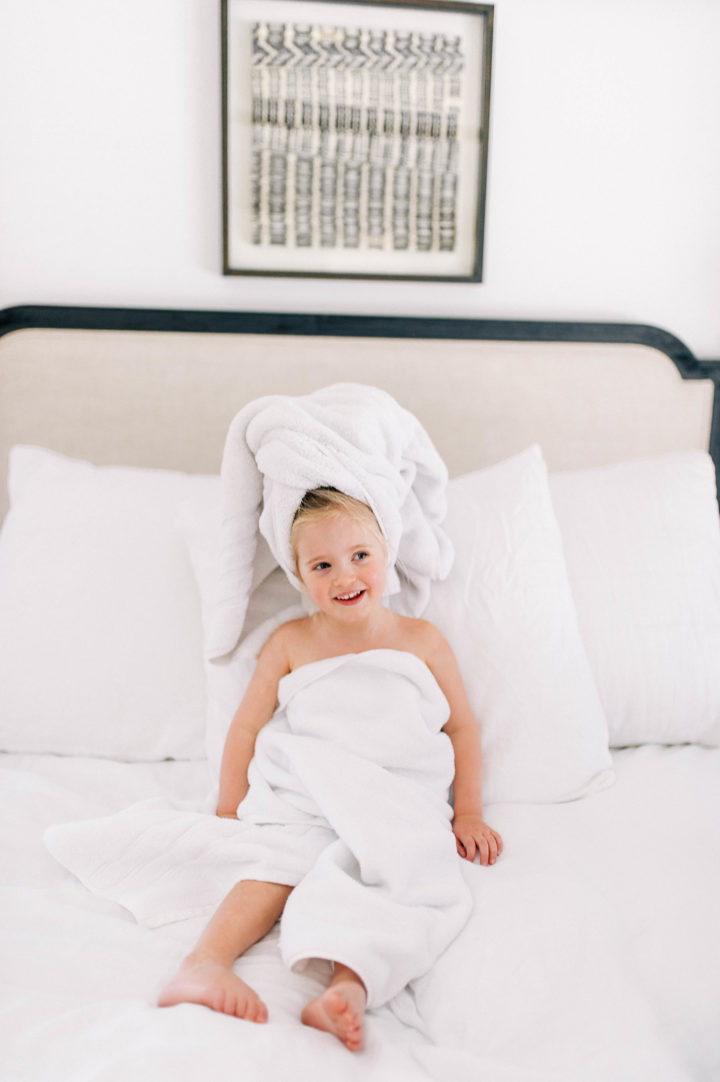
592	953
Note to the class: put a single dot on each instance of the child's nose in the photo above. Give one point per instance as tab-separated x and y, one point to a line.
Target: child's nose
344	575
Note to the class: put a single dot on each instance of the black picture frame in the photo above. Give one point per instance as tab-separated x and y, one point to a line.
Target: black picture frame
355	138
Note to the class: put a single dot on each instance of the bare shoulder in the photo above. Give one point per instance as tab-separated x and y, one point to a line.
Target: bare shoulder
277	648
285	636
281	648
423	638
440	658
273	662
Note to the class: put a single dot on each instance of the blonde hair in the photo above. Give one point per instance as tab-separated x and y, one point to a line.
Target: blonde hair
325	500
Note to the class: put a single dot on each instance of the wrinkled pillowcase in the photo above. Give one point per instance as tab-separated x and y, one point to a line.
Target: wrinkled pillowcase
507	610
642	545
101	637
273	600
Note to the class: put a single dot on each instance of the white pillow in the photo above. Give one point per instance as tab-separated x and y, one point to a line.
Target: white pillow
199	522
507	611
100	633
642	544
273	600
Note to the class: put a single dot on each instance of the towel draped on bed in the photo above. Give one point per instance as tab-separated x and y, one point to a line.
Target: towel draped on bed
348	802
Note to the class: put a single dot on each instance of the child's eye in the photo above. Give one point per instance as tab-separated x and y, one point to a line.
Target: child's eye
361	555
321	566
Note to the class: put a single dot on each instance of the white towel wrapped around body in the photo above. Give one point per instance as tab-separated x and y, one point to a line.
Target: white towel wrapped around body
348	802
352	437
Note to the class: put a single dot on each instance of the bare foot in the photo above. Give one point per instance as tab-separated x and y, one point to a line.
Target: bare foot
213	985
339	1010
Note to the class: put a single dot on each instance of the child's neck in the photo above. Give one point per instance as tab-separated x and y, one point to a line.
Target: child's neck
365	634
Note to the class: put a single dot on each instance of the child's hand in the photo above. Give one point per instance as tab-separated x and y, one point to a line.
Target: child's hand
473	836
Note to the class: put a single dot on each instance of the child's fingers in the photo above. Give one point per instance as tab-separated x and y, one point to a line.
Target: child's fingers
465	846
488	847
492	847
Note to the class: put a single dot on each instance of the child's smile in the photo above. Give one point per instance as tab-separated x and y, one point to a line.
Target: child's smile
351	599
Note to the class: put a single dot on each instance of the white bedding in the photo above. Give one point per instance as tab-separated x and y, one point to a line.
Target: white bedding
593	951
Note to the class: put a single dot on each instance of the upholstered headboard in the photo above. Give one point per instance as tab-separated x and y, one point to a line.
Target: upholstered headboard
159	388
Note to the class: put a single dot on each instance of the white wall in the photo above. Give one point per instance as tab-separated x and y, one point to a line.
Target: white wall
604	177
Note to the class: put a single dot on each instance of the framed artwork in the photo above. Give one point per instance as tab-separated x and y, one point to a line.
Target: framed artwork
355	137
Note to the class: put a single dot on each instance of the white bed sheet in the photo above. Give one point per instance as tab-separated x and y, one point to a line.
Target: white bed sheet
593	952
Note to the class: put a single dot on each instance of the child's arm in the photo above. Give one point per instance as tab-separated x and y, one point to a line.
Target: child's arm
255	710
472	833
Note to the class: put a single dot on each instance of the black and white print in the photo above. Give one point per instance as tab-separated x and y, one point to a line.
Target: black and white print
355	137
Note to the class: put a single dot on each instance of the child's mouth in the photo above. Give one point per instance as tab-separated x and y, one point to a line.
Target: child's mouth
351	598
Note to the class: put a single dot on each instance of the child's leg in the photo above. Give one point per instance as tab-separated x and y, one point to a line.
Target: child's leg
340	1009
206	977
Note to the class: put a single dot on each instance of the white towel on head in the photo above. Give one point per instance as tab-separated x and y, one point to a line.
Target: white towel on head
352	437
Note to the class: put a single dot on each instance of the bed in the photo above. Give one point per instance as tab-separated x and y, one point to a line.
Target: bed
584	606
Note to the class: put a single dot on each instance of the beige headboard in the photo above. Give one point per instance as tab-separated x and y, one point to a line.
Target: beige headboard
165	398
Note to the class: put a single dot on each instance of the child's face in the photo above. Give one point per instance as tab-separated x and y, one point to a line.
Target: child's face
341	563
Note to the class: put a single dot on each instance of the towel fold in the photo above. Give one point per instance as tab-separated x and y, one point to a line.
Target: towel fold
352	437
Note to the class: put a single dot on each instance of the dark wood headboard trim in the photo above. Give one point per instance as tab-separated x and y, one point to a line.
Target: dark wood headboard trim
292	323
224	322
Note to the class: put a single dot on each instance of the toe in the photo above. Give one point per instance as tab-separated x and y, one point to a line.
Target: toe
255	1011
354	1039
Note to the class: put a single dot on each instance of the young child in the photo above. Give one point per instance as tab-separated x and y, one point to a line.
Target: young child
340	557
